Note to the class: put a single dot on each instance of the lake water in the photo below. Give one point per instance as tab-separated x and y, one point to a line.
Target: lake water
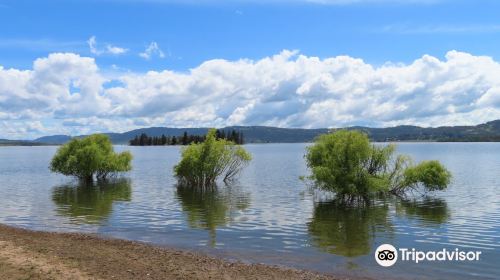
269	215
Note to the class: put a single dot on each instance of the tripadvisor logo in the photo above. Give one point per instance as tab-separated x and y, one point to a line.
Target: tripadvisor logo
386	255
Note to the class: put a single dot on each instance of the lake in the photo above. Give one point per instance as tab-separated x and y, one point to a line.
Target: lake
269	215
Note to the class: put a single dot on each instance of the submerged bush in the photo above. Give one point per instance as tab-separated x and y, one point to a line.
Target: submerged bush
345	163
88	157
202	164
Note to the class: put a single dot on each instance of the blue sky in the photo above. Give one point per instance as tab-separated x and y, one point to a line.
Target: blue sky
190	33
78	66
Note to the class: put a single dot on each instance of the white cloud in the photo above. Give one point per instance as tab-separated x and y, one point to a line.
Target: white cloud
109	49
152	50
64	92
115	50
92	45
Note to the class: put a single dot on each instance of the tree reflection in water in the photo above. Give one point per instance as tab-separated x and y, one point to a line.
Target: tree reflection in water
90	203
210	208
347	231
430	211
350	231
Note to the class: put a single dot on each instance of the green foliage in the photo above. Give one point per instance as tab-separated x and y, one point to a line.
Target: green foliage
92	155
202	164
431	174
345	163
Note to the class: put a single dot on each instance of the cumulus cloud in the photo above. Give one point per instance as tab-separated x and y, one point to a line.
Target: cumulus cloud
108	49
151	50
65	92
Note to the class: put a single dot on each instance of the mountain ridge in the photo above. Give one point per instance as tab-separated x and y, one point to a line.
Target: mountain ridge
487	132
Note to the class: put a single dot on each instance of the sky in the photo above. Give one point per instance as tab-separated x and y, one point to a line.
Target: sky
85	66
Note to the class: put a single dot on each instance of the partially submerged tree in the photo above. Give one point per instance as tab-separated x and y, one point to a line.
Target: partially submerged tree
345	163
88	157
202	164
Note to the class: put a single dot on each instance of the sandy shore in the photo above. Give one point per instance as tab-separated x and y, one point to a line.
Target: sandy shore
26	254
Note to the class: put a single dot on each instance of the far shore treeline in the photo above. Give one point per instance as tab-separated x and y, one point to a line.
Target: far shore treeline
186	139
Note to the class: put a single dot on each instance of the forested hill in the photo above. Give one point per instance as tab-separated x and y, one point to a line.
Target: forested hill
261	134
6	142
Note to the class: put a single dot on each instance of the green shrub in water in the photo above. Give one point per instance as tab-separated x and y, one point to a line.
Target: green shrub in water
202	164
90	157
346	163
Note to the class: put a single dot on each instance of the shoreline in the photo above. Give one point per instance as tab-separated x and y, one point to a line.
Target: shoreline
27	254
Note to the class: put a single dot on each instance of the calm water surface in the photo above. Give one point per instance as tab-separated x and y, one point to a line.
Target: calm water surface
269	215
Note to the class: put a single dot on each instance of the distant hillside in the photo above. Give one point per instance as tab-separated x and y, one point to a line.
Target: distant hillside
124	138
54	139
266	134
5	142
262	134
487	132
